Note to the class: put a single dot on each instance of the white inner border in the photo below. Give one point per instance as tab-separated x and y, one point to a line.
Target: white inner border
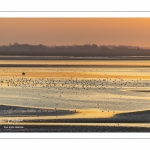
74	5
75	135
74	14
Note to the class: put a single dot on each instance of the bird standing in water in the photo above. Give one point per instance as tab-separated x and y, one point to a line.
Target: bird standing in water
23	73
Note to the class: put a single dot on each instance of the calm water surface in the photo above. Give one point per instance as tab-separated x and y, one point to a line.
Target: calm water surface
124	88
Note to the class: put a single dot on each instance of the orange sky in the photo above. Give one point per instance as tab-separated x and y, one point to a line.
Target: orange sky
69	31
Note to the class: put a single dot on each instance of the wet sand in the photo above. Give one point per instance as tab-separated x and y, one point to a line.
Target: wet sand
72	63
29	120
17	111
36	113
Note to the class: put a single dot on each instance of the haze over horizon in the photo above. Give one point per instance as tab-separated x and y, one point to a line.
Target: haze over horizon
78	31
72	45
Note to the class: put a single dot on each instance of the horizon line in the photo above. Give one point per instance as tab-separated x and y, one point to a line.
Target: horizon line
98	45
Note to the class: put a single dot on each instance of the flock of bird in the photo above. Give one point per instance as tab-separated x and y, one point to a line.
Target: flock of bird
74	84
75	88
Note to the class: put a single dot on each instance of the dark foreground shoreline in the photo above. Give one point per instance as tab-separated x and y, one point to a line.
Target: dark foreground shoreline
70	128
138	121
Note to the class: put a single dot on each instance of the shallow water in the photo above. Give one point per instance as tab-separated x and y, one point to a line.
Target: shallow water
104	88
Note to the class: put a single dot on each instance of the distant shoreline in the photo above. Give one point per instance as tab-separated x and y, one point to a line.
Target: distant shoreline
61	66
85	50
6	57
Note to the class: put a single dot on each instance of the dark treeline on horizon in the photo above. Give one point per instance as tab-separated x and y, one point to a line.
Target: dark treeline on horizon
74	50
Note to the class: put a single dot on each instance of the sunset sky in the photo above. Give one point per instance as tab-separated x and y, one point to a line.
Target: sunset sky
69	31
